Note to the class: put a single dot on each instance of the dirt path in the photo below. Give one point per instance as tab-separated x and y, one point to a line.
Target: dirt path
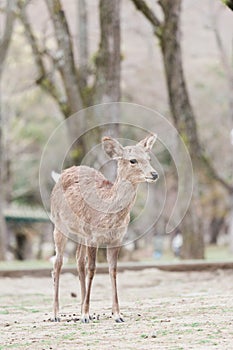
162	310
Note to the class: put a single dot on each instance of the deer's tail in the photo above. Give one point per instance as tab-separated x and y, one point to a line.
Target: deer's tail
55	176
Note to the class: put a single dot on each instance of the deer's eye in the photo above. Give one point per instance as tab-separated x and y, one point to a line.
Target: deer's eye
133	161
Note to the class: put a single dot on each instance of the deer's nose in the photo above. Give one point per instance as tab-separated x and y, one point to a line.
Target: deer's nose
154	175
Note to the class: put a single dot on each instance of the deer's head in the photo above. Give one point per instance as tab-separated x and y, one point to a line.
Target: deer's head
133	161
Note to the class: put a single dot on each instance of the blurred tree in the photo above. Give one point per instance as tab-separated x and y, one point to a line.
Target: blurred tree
74	85
83	42
225	60
227	65
108	58
229	3
5	40
168	33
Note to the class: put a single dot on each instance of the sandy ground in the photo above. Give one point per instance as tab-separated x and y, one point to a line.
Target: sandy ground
162	310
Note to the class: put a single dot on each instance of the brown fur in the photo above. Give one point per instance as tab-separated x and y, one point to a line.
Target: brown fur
84	203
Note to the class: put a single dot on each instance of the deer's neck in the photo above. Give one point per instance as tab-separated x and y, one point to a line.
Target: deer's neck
123	194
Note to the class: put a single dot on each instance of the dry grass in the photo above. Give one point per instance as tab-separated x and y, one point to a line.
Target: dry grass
162	310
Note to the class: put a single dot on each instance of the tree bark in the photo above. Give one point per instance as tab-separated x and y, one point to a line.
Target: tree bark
215	227
78	93
83	47
4	45
230	231
183	116
187	121
168	32
108	60
69	73
67	63
226	62
228	68
44	78
181	108
184	119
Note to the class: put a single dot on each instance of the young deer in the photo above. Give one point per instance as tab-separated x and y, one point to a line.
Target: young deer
84	203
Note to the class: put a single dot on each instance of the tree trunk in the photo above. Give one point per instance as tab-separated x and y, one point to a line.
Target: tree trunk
3	244
184	119
108	74
179	101
69	76
108	60
230	233
66	63
79	92
83	47
215	228
4	45
228	68
193	242
168	32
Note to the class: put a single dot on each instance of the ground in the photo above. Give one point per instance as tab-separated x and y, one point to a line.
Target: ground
162	310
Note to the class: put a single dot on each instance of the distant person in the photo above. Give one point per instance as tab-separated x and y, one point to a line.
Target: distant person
177	243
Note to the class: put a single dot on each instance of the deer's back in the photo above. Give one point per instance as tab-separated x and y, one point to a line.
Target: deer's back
80	204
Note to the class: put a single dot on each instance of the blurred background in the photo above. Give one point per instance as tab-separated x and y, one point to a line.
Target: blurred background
175	57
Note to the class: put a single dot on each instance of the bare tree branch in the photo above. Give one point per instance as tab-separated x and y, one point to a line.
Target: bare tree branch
6	38
32	40
214	175
83	49
142	6
67	63
44	79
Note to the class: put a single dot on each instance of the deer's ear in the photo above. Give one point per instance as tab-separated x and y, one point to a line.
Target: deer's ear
112	147
148	142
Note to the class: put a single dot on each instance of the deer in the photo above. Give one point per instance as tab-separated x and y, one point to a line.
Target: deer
85	204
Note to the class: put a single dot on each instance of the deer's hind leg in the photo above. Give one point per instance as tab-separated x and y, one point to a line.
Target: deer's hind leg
60	242
91	253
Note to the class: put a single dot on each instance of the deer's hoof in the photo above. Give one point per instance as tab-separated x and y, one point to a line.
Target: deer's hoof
119	320
56	319
85	318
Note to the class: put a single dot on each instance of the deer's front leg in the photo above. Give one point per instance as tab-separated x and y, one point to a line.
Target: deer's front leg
112	255
60	242
81	267
91	253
